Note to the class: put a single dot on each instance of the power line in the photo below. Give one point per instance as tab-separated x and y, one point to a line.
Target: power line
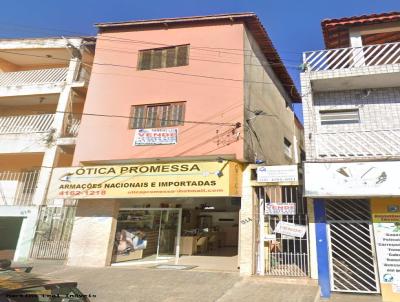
110	37
146	118
153	70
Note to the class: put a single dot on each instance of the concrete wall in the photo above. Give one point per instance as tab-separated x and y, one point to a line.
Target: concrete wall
247	229
263	91
93	233
209	98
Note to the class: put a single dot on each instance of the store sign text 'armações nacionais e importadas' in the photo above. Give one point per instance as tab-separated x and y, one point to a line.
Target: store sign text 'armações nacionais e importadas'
147	180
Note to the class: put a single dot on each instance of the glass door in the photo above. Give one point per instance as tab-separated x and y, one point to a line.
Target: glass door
146	234
169	233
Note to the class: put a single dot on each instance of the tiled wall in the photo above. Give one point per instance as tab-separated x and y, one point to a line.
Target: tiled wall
379	109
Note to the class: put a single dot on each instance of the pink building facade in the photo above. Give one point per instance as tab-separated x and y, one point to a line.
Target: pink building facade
219	85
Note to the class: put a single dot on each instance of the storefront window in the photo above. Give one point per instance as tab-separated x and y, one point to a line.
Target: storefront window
146	234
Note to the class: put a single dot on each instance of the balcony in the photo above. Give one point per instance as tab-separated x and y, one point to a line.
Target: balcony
32	81
372	144
31	133
17	188
26	124
371	66
71	125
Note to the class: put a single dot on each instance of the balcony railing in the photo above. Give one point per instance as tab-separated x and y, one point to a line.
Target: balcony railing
33	77
341	58
26	123
72	126
358	144
17	188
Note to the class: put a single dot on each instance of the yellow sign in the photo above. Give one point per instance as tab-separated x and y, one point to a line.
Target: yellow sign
386	218
189	179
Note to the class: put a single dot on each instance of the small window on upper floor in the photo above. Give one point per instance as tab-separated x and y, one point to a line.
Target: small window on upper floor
163	57
157	115
342	116
287	147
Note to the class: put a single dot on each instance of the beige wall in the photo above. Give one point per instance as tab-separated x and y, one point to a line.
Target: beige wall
18	162
64	159
93	233
264	92
27	109
6	66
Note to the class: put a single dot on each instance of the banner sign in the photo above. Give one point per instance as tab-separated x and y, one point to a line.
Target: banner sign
386	219
147	180
352	179
280	208
163	136
284	173
290	229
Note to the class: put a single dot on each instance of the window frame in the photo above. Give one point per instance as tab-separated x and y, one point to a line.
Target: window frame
163	57
287	147
344	119
158	115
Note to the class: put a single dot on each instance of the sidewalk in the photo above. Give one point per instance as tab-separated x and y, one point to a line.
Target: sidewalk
151	284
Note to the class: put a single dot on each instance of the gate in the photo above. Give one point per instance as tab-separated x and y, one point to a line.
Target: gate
53	232
351	246
286	256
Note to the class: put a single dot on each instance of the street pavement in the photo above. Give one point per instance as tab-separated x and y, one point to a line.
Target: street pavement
148	284
151	284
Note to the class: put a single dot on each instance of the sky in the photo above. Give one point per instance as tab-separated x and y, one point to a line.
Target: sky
293	25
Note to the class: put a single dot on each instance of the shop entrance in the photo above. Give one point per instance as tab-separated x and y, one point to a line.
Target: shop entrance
147	234
10	228
285	254
351	247
201	233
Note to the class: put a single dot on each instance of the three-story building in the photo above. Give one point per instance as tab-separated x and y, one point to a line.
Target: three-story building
176	111
351	105
43	85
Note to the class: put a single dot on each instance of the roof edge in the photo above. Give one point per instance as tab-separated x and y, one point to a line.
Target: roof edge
206	18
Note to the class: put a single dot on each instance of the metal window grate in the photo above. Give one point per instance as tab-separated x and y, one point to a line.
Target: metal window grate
352	258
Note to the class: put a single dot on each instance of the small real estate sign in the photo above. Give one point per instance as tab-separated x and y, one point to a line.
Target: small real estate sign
290	229
280	208
150	137
283	173
386	219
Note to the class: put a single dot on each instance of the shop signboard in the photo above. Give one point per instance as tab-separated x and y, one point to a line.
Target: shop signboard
290	229
280	208
352	179
283	173
189	179
162	136
386	219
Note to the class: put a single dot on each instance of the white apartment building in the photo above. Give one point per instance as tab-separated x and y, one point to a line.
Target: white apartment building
351	106
43	85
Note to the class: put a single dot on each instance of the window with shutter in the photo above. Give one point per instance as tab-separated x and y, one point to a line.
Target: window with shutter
182	57
145	60
157	115
170	57
156	59
163	57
